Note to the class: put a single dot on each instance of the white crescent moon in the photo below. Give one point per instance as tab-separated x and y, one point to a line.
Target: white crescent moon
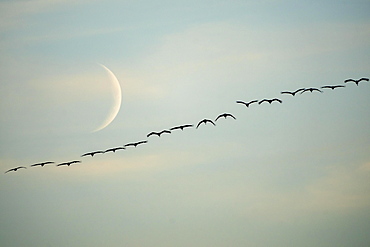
117	98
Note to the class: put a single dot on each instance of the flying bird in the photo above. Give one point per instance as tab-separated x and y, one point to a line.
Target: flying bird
15	169
158	133
292	93
311	89
225	115
69	163
205	121
356	81
92	153
182	127
333	87
113	149
135	143
270	100
246	103
43	163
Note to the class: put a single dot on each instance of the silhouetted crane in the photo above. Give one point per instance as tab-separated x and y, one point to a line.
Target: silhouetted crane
15	169
43	163
270	100
135	143
158	133
333	87
356	81
205	121
92	153
247	104
225	115
69	163
182	127
113	149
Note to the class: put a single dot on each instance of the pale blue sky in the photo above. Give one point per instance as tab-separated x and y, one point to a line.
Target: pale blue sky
295	174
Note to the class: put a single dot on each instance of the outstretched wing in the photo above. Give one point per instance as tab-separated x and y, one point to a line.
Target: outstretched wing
349	80
286	92
278	100
222	115
203	121
210	121
151	133
10	170
175	128
87	154
229	115
241	102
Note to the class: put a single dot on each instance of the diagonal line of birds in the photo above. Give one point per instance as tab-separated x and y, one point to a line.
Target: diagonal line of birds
202	122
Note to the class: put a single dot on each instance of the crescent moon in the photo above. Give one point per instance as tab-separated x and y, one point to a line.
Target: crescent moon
117	98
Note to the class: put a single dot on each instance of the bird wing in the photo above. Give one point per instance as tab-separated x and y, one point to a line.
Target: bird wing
286	92
10	170
200	123
222	115
298	90
264	100
364	79
253	101
241	102
316	89
175	128
86	154
348	80
230	115
278	100
151	133
210	121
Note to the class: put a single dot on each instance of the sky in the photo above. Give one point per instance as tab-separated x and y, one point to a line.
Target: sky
290	174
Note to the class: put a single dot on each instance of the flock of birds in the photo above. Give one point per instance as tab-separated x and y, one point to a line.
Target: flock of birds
204	122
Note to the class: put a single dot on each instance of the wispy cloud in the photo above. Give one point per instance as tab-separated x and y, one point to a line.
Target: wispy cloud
14	13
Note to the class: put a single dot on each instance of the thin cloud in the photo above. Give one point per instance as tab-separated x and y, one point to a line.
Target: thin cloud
13	14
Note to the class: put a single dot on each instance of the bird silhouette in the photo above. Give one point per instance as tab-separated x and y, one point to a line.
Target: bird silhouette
158	133
292	93
15	169
92	153
205	121
69	163
247	104
135	143
182	127
270	100
43	163
113	149
225	115
311	89
356	81
333	87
